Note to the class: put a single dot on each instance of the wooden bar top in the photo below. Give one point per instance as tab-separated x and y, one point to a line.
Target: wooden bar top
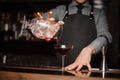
56	74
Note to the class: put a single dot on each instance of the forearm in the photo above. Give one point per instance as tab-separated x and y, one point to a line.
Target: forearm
98	43
104	37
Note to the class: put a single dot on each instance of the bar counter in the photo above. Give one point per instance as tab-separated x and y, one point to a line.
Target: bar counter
26	73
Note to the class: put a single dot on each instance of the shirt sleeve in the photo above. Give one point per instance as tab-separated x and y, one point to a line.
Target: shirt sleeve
58	12
104	37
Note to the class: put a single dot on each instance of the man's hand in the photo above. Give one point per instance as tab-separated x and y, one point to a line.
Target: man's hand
45	28
50	19
83	59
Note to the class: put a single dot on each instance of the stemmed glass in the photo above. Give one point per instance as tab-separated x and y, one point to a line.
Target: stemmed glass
63	49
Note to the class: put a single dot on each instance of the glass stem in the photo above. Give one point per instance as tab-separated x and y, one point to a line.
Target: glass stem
63	58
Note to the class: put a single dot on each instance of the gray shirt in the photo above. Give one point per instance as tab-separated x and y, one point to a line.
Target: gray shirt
101	23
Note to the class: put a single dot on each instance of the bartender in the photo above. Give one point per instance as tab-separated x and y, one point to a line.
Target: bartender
85	27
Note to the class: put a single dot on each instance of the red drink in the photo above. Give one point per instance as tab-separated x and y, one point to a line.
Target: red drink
63	49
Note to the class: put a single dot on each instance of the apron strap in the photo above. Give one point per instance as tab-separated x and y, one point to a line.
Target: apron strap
91	16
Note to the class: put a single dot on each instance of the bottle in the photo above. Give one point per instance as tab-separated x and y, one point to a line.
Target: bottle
15	32
5	32
2	26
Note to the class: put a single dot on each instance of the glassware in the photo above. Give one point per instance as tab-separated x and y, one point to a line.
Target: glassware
42	29
104	66
63	49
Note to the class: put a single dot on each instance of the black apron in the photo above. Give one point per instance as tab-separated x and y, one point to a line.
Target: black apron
78	30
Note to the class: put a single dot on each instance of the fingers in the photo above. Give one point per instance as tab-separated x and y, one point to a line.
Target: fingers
49	15
51	20
89	67
39	15
58	24
77	67
70	67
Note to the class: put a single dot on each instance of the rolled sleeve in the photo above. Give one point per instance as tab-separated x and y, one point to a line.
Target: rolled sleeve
104	37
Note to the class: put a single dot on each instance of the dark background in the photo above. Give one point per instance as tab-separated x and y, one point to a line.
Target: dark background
113	12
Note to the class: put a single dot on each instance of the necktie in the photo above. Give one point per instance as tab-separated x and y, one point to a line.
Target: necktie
80	7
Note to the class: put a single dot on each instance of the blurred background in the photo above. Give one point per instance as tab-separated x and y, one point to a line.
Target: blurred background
16	47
